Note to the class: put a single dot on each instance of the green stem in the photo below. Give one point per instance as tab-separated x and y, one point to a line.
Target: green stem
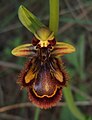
54	15
37	112
53	24
71	104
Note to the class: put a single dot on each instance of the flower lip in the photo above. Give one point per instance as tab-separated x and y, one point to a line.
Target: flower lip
44	87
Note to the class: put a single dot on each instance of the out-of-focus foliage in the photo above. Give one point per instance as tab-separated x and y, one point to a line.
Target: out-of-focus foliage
75	28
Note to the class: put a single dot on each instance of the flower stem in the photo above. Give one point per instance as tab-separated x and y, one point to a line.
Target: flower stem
54	15
70	102
53	25
37	112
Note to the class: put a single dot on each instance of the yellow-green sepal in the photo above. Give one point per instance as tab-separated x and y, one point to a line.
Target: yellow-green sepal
30	21
62	48
23	50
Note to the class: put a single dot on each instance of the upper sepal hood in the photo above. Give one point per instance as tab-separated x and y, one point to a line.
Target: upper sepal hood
44	34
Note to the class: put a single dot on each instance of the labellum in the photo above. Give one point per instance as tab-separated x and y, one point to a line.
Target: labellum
44	75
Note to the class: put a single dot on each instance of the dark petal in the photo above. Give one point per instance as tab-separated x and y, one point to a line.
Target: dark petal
45	102
52	42
35	41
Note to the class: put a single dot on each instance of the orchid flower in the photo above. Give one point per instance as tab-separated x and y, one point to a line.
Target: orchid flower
44	74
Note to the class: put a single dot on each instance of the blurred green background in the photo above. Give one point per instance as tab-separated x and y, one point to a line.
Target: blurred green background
75	28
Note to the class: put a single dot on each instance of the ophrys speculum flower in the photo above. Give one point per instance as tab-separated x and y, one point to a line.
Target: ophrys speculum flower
44	75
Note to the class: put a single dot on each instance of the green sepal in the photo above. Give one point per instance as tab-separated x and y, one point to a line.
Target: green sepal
30	21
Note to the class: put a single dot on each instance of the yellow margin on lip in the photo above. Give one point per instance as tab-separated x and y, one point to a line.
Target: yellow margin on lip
45	95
